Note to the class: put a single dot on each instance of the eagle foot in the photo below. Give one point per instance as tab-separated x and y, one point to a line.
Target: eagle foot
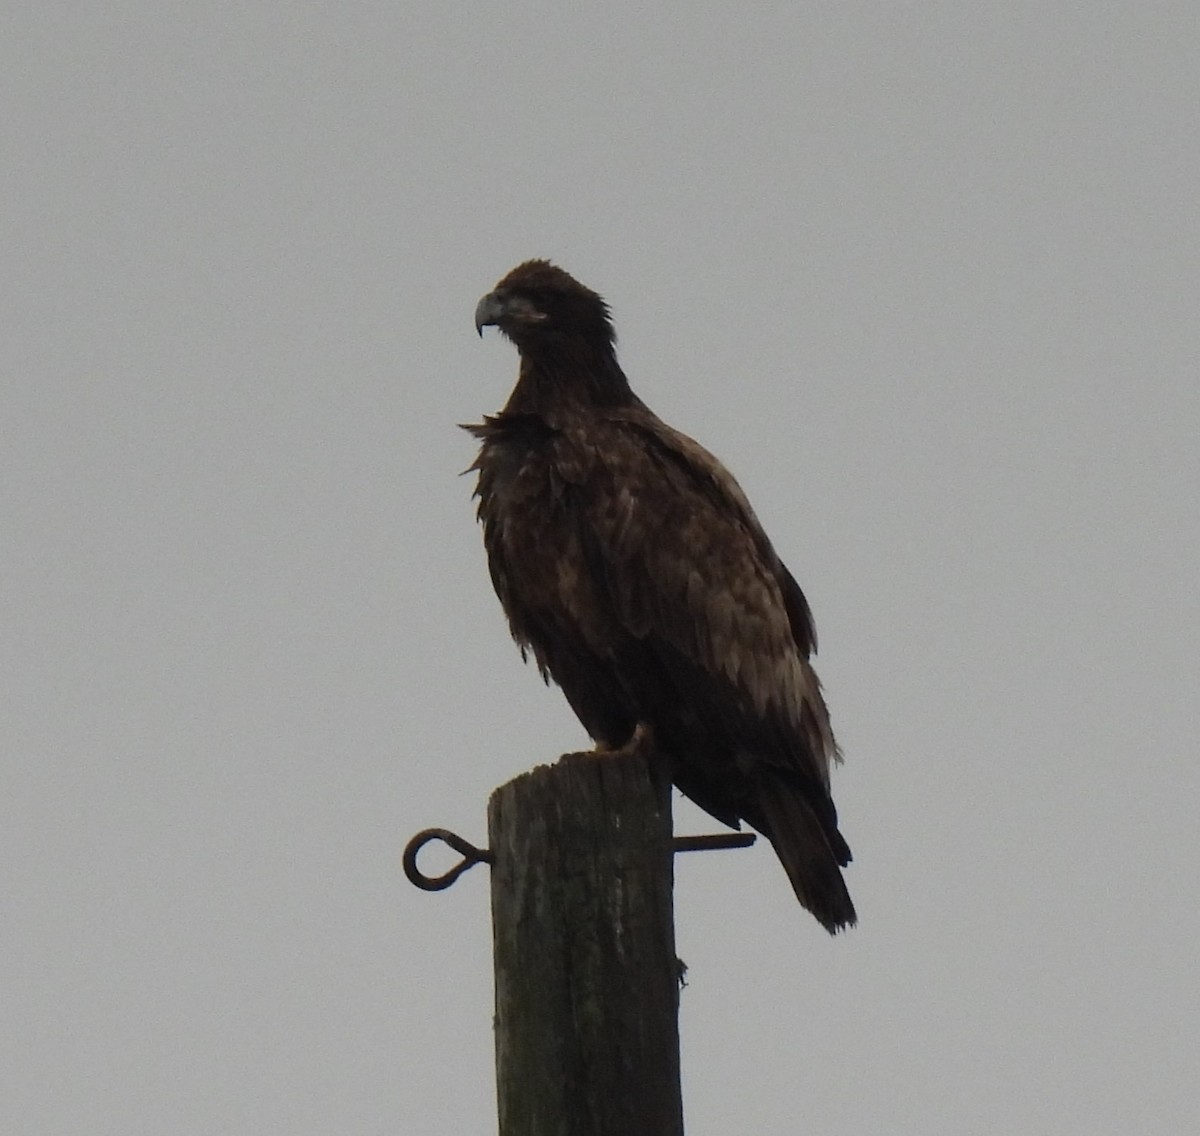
641	741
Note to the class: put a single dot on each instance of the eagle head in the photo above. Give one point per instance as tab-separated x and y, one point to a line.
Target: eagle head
538	304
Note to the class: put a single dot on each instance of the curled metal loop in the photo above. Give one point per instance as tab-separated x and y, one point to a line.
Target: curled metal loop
470	857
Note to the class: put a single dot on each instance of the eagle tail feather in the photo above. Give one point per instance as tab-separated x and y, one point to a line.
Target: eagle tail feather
808	854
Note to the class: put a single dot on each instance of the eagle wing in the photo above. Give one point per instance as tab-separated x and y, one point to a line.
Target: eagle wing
691	576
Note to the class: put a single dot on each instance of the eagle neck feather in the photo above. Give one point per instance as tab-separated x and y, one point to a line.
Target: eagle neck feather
572	378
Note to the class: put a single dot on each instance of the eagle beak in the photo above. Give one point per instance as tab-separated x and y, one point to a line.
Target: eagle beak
489	310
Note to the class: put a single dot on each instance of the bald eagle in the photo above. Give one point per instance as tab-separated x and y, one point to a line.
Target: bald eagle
629	562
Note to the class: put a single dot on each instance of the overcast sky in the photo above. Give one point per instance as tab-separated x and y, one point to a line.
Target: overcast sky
924	275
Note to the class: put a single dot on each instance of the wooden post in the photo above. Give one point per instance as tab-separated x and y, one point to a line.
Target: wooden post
587	994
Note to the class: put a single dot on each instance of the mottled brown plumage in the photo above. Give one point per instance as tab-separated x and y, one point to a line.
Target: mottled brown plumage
630	563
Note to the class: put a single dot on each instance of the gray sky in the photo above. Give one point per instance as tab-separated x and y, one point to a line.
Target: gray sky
925	276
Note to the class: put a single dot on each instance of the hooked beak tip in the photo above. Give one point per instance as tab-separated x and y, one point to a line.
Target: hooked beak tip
488	312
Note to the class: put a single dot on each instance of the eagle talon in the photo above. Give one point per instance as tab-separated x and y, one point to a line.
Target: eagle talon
641	741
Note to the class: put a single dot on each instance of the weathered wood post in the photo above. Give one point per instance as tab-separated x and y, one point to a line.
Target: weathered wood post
587	993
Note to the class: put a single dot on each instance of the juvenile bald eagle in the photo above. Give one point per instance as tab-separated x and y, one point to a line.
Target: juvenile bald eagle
630	563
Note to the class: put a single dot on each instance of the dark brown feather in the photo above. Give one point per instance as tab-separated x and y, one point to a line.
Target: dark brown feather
631	565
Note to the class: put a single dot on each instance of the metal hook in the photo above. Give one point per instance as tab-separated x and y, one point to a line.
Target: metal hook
714	842
470	857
